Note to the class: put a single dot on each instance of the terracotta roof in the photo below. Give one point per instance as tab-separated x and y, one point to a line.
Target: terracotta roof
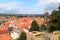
4	34
5	37
3	28
26	22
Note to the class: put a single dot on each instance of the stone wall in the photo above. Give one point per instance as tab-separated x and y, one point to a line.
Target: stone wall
54	37
35	36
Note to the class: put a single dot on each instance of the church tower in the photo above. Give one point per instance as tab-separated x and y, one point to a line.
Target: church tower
46	15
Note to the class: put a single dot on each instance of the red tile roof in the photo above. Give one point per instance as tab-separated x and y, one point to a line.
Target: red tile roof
24	22
3	28
4	34
5	37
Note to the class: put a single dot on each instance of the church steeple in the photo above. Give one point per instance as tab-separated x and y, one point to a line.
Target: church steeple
46	14
59	6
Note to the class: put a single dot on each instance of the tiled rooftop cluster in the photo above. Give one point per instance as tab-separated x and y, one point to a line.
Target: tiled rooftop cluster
24	22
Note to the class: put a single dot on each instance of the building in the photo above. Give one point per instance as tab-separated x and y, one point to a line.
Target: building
4	35
18	24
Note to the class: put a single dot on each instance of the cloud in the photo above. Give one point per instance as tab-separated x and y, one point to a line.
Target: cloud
29	10
16	8
9	6
47	4
39	8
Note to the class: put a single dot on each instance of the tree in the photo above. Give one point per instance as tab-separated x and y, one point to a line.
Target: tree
59	37
17	39
42	28
54	24
34	26
22	36
51	27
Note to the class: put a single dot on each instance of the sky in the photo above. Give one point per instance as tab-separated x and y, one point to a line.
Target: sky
28	6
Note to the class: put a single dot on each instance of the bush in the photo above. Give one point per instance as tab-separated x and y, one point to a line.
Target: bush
34	26
42	28
59	37
22	36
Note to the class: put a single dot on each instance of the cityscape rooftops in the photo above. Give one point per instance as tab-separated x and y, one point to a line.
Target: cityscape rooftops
21	23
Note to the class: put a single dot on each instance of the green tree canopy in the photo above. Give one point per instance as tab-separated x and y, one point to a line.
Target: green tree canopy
43	28
34	26
54	24
22	36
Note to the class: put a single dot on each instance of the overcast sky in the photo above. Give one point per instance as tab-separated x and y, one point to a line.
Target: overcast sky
28	6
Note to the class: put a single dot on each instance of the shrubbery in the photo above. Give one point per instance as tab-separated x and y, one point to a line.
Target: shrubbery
22	36
34	26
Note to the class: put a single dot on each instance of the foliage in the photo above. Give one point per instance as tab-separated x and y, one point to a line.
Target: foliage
54	24
22	36
51	27
42	28
34	26
17	39
59	37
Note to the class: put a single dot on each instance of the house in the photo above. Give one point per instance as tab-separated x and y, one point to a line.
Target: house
4	35
18	24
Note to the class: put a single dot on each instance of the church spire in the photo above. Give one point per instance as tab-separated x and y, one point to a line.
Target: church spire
46	11
46	14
